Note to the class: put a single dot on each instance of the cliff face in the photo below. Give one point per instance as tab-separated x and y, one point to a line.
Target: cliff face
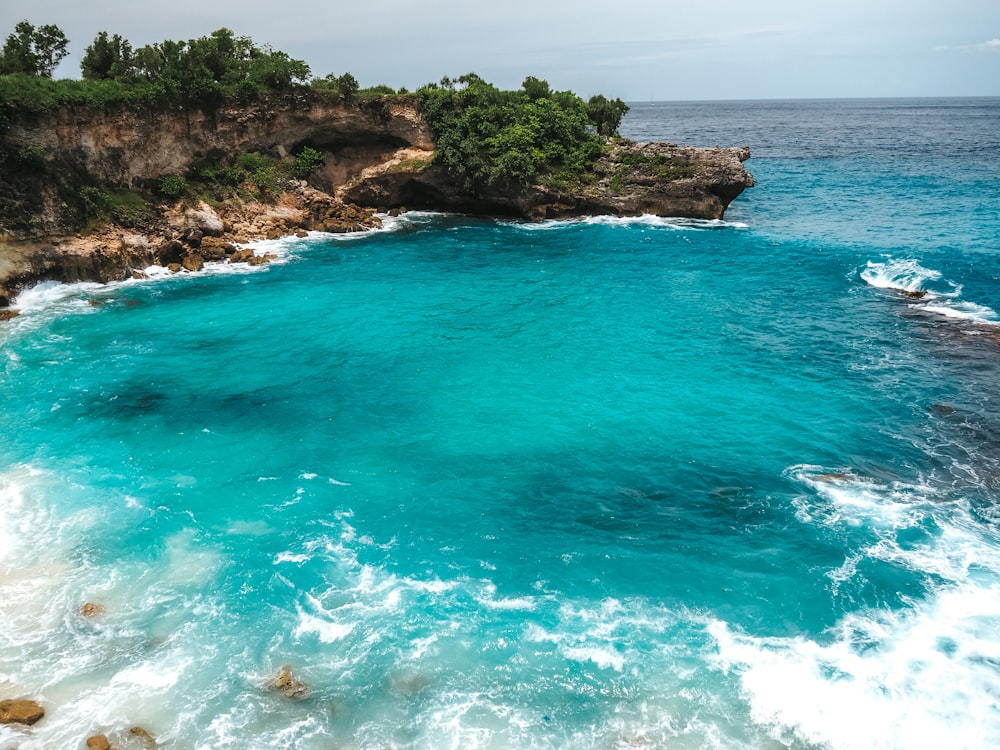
376	155
630	179
127	148
132	150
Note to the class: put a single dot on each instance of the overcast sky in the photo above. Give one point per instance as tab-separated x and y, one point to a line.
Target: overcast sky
634	49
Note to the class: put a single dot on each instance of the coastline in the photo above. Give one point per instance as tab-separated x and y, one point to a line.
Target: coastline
373	159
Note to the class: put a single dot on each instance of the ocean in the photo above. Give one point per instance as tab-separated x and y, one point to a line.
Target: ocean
583	485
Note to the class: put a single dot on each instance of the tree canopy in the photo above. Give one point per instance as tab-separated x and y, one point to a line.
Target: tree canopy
490	137
606	114
34	52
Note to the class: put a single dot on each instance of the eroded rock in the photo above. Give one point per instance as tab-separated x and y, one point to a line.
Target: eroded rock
92	609
288	685
206	220
193	262
20	711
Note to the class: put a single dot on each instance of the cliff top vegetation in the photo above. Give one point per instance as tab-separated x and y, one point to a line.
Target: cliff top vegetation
486	137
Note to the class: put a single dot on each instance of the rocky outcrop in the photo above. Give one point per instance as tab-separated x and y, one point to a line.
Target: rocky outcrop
20	711
376	155
630	179
176	241
135	738
288	685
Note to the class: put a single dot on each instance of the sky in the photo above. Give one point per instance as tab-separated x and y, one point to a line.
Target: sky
638	50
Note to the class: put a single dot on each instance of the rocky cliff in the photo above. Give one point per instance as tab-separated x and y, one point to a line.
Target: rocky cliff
377	155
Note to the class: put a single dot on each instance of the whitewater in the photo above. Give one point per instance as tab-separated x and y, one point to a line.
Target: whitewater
592	484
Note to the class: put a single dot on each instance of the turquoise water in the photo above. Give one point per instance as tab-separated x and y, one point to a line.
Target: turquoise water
594	484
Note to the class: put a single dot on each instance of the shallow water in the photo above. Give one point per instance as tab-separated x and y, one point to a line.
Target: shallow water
593	484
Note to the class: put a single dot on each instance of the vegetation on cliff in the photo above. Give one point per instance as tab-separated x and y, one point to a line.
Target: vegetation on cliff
200	72
489	138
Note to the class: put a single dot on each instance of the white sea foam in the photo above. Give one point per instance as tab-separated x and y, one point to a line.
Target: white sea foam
903	274
844	497
647	220
48	294
403	221
923	676
920	678
326	630
961	310
907	275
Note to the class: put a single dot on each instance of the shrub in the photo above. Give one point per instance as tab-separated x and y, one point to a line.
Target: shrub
267	182
96	202
307	161
32	155
489	137
172	186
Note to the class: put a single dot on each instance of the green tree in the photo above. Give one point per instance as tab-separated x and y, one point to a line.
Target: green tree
32	51
306	162
606	114
489	137
347	85
536	88
107	59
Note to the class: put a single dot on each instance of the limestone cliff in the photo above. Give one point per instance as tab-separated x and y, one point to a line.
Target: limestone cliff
377	154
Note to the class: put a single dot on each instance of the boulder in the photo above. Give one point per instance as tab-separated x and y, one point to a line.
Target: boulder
193	262
216	248
8	315
193	237
98	742
171	251
205	219
20	711
241	255
142	734
174	267
288	685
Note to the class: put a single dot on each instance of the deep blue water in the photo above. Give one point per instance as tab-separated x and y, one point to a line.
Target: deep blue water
593	484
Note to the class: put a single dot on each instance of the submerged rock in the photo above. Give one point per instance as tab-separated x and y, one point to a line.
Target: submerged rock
92	609
288	685
146	738
20	711
834	477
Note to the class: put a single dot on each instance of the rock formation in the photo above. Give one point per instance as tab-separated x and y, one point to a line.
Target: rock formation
376	155
20	711
286	684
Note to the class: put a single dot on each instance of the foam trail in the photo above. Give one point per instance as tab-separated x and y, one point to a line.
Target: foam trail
966	311
904	275
646	220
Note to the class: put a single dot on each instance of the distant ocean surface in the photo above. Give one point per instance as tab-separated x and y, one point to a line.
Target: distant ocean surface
583	485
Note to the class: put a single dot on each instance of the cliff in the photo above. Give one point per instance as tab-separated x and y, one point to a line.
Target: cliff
377	155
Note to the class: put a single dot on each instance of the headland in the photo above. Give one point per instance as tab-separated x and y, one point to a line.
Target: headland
98	193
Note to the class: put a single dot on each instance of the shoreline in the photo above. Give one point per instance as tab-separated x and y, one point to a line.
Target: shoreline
183	238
